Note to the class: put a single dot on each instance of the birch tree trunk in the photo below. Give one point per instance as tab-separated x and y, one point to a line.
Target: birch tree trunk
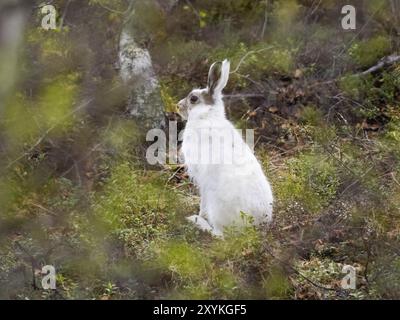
13	16
136	70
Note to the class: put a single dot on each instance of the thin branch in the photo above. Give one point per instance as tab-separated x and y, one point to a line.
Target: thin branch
193	8
243	95
317	285
52	213
259	86
41	5
246	55
41	138
64	14
384	62
179	168
112	10
95	148
46	133
361	29
264	27
394	179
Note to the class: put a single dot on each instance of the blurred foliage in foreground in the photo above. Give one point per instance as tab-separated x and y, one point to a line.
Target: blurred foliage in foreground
75	192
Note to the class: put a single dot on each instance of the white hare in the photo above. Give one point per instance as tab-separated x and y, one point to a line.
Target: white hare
220	163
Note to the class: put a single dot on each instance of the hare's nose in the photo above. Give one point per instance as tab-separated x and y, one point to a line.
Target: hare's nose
181	104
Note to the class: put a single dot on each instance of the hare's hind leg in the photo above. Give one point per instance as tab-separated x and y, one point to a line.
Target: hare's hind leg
203	209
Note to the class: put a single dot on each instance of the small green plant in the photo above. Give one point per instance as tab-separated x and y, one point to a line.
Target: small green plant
182	260
311	180
352	85
368	52
110	289
276	284
136	208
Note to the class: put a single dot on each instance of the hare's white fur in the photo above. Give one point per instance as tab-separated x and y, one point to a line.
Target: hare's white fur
226	189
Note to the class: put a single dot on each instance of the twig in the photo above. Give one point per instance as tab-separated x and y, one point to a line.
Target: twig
361	30
64	14
243	95
264	27
175	173
357	180
43	4
246	55
313	10
42	208
112	10
259	86
193	8
384	62
394	179
41	138
368	250
302	275
80	160
32	261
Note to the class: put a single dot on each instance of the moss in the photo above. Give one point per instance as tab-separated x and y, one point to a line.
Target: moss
226	283
392	135
286	12
260	60
26	118
136	208
56	103
121	135
319	131
356	169
208	270
374	93
182	260
200	291
311	179
352	85
237	244
169	102
387	284
311	116
17	122
148	22
8	262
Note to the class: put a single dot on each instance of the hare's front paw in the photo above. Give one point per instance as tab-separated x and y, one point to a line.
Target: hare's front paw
203	225
200	223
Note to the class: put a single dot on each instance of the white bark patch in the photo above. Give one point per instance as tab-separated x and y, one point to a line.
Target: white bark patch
136	70
12	26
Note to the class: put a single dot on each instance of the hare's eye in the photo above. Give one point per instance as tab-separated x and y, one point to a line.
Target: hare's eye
193	99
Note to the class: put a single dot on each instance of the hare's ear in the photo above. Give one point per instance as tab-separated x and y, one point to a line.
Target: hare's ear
213	76
218	77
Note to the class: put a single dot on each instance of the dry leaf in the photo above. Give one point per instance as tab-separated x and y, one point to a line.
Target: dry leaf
273	109
298	73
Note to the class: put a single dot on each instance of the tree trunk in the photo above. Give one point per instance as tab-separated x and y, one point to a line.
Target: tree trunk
136	70
13	17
